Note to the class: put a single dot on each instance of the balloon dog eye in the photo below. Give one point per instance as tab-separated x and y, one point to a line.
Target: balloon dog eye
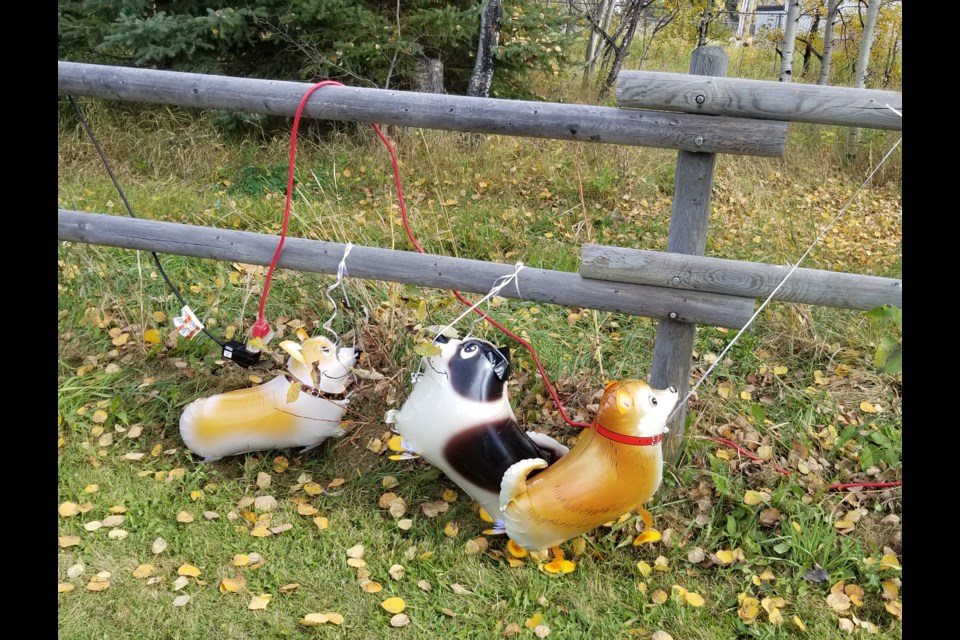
325	350
653	401
469	351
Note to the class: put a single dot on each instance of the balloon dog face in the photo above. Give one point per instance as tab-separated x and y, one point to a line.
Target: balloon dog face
634	408
317	362
476	369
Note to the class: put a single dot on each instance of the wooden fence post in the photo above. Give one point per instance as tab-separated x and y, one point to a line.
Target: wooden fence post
693	181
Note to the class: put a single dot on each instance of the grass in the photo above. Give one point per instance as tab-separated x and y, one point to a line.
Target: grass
504	200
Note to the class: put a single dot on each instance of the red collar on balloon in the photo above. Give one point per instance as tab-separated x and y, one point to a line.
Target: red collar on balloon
313	391
639	441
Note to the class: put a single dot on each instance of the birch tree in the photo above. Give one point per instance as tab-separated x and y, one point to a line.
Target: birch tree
863	63
833	9
789	40
482	76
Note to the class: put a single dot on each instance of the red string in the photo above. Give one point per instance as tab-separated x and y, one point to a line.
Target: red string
781	470
524	343
261	328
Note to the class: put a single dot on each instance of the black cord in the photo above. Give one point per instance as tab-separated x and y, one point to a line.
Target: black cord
126	203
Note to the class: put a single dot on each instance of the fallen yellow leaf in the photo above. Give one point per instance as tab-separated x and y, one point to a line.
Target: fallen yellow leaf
372	587
313	619
534	621
304	509
64	587
321	522
334	618
658	597
889	561
725	556
394	605
694	599
645	569
144	571
259	603
188	570
232	585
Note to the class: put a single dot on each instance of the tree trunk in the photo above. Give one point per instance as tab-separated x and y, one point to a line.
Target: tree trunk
809	51
704	25
632	12
482	76
745	21
789	40
833	8
863	63
430	75
600	24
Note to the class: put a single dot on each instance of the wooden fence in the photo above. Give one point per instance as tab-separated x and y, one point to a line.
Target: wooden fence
700	115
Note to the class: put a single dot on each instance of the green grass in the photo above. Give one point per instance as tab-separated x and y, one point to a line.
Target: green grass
504	200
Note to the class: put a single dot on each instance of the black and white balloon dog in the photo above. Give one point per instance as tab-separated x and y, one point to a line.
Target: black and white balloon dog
458	418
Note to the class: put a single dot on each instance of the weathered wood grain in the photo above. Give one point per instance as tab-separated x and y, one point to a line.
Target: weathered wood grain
762	99
426	270
737	278
433	111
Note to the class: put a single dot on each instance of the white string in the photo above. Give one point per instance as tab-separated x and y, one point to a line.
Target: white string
497	287
779	286
341	273
892	109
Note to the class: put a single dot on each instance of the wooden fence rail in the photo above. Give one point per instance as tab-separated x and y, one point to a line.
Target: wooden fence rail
691	132
426	270
735	277
788	101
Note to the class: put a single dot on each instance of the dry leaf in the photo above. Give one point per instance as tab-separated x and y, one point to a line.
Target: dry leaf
232	585
188	570
355	551
424	585
260	532
451	530
144	571
93	525
895	609
405	524
645	569
68	509
511	630
313	489
91	488
399	620
68	541
314	619
117	534
159	546
394	605
180	583
797	621
752	498
541	631
336	482
372	587
99	416
356	563
397	508
280	528
725	556
98	585
259	603
179	601
118	509
75	571
289	588
334	618
661	635
889	561
661	564
694	599
838	601
658	597
113	521
450	495
534	621
696	555
65	587
846	625
184	517
321	522
459	590
390	482
396	571
134	456
305	509
749	608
